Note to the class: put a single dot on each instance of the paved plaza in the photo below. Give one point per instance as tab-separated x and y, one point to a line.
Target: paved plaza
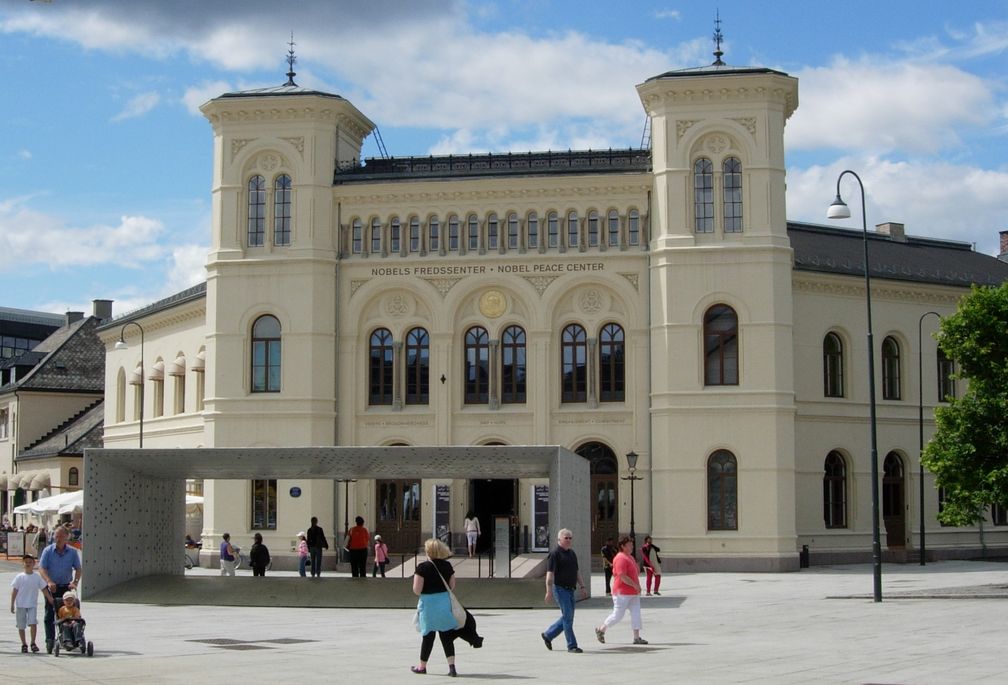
943	623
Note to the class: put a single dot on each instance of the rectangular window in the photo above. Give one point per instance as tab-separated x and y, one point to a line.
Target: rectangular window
414	235
357	240
376	237
4	414
946	379
433	235
533	232
633	228
179	407
264	505
492	234
200	389
158	398
999	515
266	366
394	234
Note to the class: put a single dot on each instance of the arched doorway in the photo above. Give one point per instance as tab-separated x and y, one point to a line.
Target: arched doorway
490	498
604	492
893	508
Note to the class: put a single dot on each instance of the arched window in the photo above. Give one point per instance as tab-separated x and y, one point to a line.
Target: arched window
453	233
256	211
835	491
552	230
433	234
633	227
380	367
720	346
833	374
414	234
357	239
395	235
613	228
282	210
266	354
572	229
513	365
703	195
611	364
493	232
376	236
472	233
892	489
573	358
73	476
891	388
593	229
722	491
731	174
120	411
532	231
946	377
477	366
512	231
417	367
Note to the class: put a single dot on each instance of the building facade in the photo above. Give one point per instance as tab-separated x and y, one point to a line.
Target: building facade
647	301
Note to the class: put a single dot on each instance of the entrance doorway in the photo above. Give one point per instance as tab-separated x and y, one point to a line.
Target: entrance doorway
604	493
398	515
488	499
893	510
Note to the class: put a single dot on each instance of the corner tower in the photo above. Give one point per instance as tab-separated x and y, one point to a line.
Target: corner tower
722	388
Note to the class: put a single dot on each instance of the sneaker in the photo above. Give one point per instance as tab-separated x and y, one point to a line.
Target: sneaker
451	671
600	635
549	642
34	647
24	649
49	646
657	593
575	650
418	671
639	641
649	594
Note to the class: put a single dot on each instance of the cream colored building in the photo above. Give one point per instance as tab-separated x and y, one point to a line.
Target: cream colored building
651	301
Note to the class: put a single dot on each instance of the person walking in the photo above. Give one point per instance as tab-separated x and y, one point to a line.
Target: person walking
471	525
60	567
302	552
652	564
316	540
227	556
431	582
608	554
357	542
625	593
563	580
24	601
380	556
259	556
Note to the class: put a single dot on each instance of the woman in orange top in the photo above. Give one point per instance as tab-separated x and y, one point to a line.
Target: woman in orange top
625	593
357	543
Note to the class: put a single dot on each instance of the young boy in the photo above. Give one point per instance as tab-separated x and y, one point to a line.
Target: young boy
24	601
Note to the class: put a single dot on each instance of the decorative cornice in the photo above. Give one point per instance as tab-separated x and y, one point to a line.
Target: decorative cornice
888	291
482	195
241	114
683	94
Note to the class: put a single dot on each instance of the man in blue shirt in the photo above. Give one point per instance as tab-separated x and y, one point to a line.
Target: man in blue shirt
60	567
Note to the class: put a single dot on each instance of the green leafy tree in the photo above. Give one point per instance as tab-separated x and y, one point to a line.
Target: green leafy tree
969	451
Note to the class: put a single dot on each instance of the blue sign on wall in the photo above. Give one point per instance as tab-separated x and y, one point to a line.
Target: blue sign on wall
295	491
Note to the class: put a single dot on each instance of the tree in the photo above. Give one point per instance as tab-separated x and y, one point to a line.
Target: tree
969	451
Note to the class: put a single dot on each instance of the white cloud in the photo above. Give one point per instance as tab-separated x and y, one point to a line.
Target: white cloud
24	154
198	95
138	106
878	108
668	14
188	267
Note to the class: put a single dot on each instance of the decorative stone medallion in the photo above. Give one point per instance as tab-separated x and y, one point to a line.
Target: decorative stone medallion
492	304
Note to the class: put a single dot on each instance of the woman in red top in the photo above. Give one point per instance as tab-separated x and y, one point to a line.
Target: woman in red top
625	593
357	543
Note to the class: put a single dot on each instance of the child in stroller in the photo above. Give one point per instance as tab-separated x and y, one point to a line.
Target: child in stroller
70	627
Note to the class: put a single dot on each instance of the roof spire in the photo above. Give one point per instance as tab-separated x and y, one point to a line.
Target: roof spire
718	38
291	59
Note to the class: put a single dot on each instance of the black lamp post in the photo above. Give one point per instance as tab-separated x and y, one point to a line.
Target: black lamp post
346	505
631	458
839	210
920	420
121	345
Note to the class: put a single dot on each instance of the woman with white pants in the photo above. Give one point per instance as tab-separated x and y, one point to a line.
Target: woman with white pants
625	593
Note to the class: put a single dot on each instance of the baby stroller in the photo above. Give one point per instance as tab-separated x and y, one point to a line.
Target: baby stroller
70	635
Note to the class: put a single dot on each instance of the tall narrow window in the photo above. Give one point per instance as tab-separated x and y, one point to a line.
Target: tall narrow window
395	235
414	234
572	229
720	346
611	364
453	233
833	378
256	211
703	195
999	515
477	366
835	491
357	239
573	360
380	367
157	384
73	476
552	230
593	229
433	234
120	411
282	210
633	227
376	236
493	232
472	233
512	231
264	505
891	388
266	354
613	228
417	367
731	173
532	231
946	377
179	396
513	365
722	491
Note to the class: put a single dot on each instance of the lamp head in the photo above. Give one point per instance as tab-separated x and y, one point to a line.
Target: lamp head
838	210
121	345
631	459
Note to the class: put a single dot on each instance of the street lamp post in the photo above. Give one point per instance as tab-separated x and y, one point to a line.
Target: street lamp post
839	210
346	505
631	458
121	345
920	420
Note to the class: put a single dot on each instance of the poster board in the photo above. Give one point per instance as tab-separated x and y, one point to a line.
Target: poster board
540	518
442	513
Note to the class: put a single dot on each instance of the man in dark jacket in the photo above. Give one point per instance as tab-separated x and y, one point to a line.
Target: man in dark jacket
316	540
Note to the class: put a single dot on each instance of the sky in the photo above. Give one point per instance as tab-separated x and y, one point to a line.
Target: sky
105	159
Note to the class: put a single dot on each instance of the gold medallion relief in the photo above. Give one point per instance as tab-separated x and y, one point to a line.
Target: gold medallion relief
492	304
